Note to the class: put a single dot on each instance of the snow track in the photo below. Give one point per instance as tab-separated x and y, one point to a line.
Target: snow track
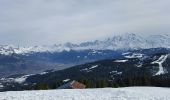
121	61
130	93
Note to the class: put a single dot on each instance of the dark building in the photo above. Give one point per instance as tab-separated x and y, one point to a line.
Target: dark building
73	85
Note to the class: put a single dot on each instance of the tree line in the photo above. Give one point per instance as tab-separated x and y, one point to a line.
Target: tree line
160	81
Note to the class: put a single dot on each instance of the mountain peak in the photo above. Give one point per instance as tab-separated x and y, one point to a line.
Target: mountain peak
125	41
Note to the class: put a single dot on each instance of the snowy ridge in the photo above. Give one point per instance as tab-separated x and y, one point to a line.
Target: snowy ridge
129	93
126	41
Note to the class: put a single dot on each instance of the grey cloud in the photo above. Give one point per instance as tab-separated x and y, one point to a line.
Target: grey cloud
32	22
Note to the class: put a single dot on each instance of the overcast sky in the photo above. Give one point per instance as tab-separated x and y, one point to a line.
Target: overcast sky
33	22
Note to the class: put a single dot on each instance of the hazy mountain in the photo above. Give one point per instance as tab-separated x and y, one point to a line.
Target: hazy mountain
125	41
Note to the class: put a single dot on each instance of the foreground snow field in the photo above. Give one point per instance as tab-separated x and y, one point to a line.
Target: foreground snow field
129	93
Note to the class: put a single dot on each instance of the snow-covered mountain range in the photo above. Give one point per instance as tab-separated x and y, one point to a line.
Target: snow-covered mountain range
126	41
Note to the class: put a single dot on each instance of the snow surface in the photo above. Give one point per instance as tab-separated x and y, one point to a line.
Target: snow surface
126	53
89	69
140	65
43	73
120	60
134	55
17	79
1	86
22	78
66	80
115	72
95	66
159	62
129	93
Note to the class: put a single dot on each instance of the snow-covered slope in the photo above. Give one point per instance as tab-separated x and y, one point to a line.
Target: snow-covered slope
130	93
159	62
125	41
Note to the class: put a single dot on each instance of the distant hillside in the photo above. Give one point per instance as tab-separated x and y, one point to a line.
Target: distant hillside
148	67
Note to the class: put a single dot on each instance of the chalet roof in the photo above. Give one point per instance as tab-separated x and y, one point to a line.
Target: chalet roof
73	85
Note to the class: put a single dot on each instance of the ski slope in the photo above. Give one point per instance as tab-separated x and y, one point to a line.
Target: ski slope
160	61
129	93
